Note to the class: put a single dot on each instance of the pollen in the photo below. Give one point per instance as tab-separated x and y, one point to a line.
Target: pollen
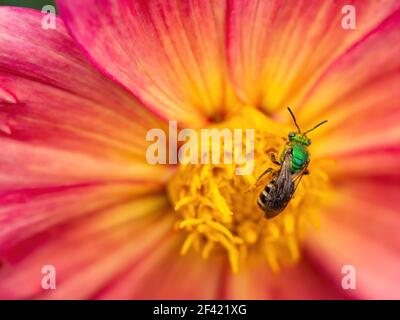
216	209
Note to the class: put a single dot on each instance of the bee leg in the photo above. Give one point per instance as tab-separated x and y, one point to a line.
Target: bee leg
273	159
306	171
257	183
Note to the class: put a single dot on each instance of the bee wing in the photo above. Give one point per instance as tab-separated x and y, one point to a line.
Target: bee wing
299	175
284	181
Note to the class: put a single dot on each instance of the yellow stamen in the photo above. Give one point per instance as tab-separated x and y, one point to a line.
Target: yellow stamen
212	205
188	242
207	249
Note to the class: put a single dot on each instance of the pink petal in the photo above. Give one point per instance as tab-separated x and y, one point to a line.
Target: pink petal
62	113
92	250
26	212
360	97
361	84
72	142
52	96
301	281
50	166
361	229
165	274
375	162
170	54
277	49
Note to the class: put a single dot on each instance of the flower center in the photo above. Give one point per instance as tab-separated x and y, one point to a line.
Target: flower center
217	208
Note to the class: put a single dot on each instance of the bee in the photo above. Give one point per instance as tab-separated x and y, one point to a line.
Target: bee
293	163
278	192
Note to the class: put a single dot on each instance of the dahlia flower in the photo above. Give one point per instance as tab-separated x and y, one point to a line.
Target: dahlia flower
77	193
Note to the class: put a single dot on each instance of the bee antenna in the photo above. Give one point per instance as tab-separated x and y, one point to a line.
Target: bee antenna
319	124
294	119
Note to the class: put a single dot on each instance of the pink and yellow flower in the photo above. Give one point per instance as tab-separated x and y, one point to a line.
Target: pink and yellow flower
77	193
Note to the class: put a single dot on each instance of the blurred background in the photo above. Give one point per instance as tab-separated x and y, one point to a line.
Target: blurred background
37	4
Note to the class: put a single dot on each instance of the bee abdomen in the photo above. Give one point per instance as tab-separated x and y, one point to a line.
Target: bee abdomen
263	197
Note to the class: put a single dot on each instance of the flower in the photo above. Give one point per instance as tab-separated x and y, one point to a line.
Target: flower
77	193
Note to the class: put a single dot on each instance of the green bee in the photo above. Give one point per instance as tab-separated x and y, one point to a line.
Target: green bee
293	164
299	143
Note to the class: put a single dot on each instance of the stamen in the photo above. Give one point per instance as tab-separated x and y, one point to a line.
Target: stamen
219	216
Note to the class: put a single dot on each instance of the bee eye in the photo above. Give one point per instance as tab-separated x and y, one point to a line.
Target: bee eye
291	134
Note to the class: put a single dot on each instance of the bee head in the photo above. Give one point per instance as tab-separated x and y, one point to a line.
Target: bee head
299	138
